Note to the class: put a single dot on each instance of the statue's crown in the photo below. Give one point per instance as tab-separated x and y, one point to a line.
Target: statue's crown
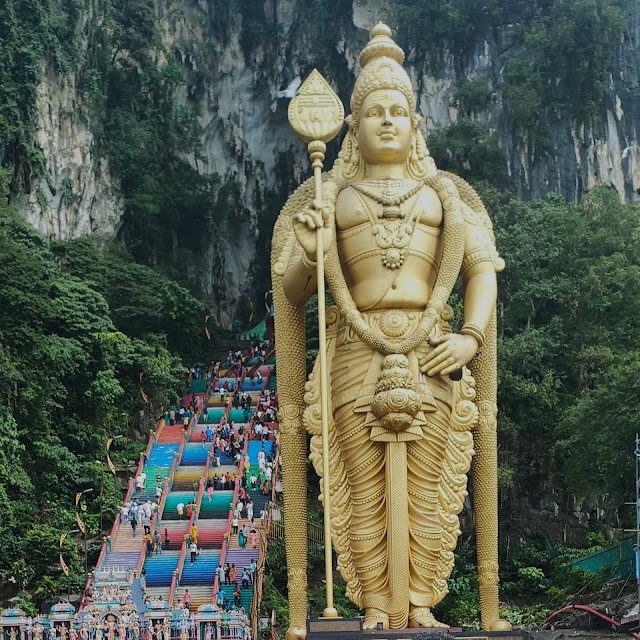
381	61
381	44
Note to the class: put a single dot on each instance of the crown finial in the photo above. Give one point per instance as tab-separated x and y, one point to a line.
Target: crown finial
381	29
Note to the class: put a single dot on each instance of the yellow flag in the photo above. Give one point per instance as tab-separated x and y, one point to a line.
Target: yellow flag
80	523
63	564
206	329
111	465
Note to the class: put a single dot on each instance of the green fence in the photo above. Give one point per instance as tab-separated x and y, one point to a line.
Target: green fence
618	561
257	332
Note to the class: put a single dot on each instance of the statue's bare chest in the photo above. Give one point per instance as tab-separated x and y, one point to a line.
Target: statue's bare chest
371	204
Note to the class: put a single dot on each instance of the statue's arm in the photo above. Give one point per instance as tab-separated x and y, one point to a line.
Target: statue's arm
452	351
479	276
480	294
300	282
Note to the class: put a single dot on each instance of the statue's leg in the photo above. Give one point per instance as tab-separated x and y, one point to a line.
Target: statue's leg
364	462
424	464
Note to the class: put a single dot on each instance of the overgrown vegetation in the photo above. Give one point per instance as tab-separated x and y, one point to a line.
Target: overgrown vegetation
566	49
30	31
557	56
147	135
82	335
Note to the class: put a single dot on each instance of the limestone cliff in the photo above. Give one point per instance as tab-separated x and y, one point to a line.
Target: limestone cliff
245	137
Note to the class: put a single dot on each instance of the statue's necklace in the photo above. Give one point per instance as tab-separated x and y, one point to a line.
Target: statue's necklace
392	233
389	198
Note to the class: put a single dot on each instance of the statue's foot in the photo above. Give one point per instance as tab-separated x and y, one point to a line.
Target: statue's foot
373	616
422	617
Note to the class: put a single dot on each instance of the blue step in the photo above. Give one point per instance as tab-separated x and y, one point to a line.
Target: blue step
161	455
160	567
194	455
254	448
202	571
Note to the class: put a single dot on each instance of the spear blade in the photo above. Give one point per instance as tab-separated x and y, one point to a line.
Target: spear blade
316	113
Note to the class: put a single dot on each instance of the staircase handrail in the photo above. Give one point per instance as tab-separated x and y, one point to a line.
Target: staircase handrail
174	578
256	596
262	361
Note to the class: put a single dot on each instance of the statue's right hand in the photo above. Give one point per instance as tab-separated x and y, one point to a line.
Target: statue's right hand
306	225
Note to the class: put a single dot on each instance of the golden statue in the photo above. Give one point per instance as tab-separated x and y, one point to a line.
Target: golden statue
410	400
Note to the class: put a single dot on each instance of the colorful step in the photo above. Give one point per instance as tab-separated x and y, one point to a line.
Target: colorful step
160	567
202	571
162	455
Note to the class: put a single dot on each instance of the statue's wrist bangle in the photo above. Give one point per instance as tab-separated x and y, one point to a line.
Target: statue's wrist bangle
475	331
309	264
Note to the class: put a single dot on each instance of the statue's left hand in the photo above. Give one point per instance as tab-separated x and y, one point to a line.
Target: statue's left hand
451	352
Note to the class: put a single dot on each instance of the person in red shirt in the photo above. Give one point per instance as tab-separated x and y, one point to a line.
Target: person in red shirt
186	599
236	596
203	438
189	510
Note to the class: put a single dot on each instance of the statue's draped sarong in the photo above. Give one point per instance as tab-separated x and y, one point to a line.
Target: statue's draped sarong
403	490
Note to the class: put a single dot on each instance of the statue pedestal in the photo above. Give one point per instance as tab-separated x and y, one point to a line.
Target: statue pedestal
351	629
334	629
405	634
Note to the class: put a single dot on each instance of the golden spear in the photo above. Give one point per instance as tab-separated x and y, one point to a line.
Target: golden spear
316	115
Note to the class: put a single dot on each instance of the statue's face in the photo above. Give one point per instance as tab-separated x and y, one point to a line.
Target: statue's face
385	129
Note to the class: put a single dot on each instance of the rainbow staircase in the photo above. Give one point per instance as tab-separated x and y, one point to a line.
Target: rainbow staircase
183	463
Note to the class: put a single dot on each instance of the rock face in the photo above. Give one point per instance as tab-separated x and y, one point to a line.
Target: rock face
78	196
246	139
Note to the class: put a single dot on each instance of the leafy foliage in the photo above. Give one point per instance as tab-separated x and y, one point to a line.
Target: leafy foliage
469	150
30	31
568	350
567	48
80	332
